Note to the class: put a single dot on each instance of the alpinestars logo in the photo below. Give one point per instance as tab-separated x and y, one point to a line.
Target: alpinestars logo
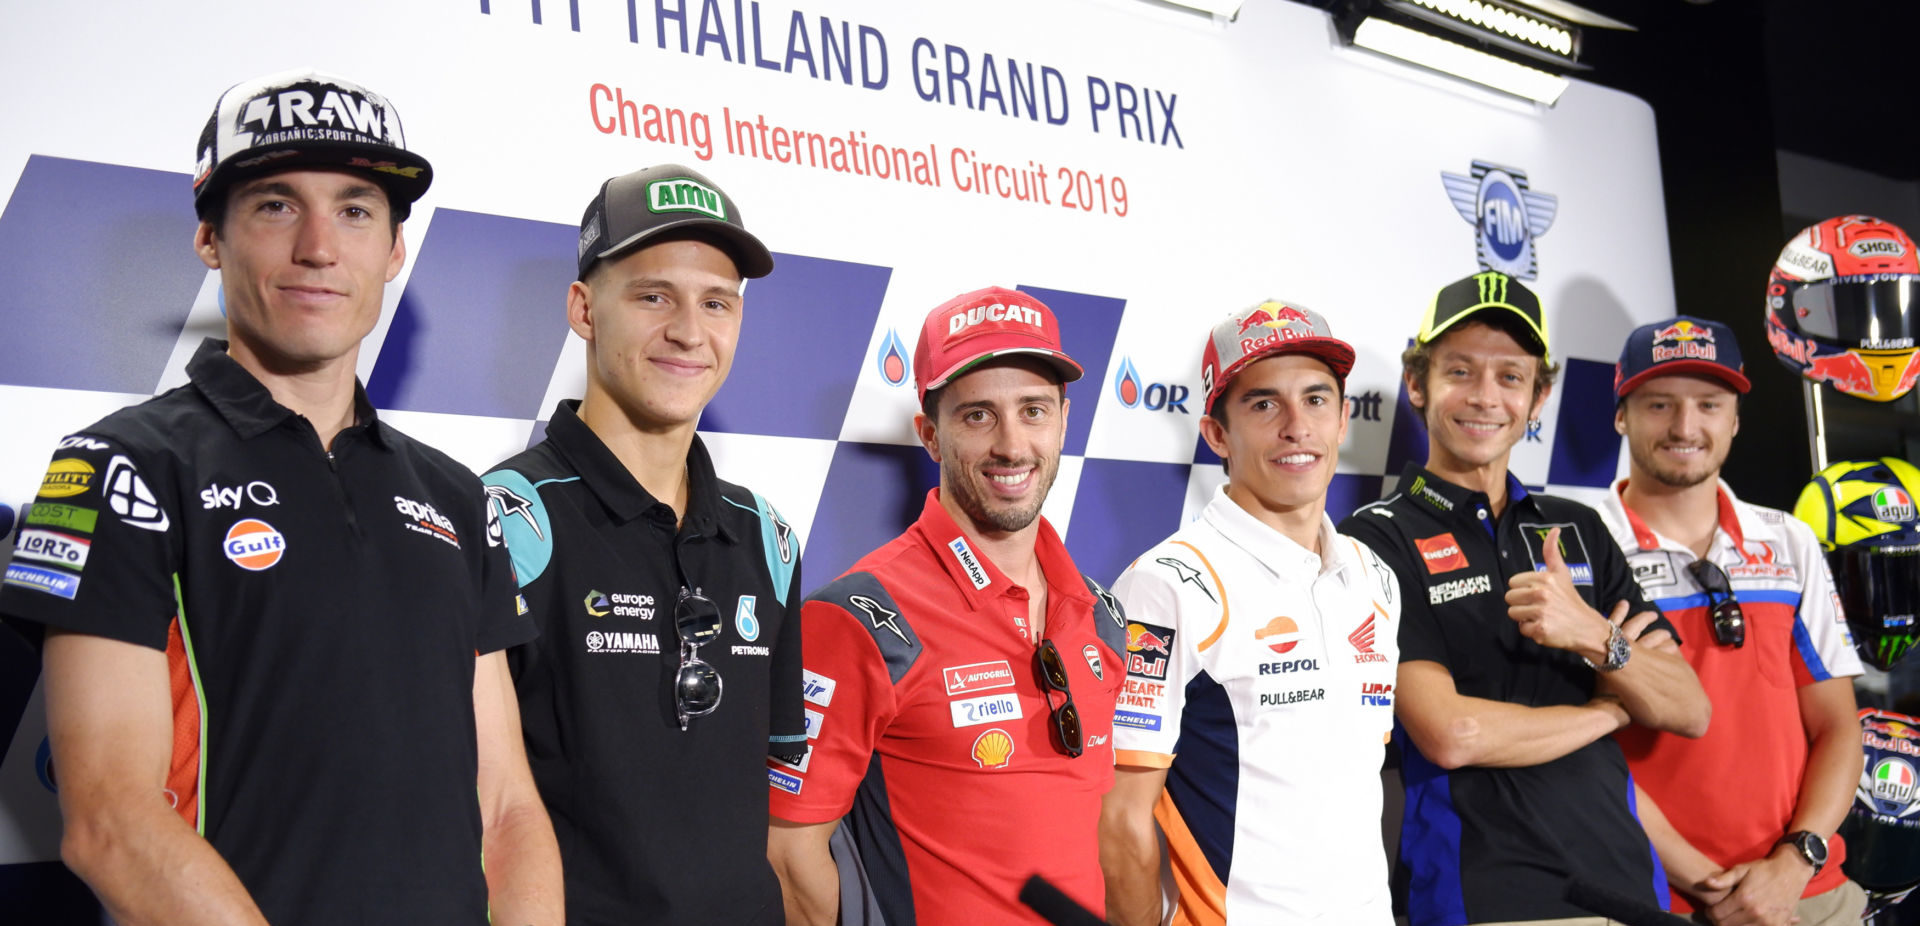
129	497
1507	216
505	503
1187	574
1362	640
879	616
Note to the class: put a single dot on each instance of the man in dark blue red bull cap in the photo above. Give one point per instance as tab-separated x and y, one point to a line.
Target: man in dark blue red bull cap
1748	587
1518	660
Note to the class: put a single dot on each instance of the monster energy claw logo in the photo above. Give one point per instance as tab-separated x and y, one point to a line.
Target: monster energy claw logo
1493	286
1421	491
1507	216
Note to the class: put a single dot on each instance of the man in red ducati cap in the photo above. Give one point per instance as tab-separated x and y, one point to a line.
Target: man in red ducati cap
961	678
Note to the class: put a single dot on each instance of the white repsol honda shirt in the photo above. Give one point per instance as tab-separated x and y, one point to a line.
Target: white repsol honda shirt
1260	675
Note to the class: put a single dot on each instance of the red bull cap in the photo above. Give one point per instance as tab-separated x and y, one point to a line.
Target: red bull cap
984	324
1272	327
1680	345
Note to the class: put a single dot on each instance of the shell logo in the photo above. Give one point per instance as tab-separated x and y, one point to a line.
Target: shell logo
993	749
1284	633
254	544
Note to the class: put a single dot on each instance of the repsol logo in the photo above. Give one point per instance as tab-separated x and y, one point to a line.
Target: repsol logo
997	312
1290	665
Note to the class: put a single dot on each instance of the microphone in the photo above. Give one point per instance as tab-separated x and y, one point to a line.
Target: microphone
1057	908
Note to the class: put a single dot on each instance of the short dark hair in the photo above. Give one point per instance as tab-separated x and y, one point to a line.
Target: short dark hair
1416	362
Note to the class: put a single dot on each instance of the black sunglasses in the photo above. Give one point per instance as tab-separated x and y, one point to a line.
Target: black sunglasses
696	689
1723	610
1066	717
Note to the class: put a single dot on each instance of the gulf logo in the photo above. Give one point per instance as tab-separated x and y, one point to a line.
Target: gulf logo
254	544
1281	635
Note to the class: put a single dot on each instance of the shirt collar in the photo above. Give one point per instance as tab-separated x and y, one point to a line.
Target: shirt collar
959	558
1731	519
246	404
1455	502
1272	549
624	497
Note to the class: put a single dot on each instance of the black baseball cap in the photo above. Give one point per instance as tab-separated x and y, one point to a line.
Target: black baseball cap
633	208
1680	345
1489	290
303	118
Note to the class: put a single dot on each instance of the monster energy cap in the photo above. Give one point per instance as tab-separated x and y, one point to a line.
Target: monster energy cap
632	209
1489	290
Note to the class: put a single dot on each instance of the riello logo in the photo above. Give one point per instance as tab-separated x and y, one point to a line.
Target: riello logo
1134	392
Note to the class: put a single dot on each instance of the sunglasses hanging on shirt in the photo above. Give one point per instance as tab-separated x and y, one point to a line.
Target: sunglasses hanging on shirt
1723	609
696	688
1066	717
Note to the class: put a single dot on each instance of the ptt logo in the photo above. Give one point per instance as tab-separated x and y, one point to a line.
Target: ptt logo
1507	216
1134	392
891	360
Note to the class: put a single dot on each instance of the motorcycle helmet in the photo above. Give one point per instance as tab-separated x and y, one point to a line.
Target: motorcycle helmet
1863	513
1843	307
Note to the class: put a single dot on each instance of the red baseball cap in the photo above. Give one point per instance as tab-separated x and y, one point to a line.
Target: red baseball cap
984	324
1272	327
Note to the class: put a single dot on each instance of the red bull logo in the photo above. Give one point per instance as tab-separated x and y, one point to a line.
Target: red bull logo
1142	640
1845	370
1258	318
1683	330
1149	649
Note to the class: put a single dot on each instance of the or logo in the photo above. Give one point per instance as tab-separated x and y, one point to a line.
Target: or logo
66	478
978	676
993	749
597	604
744	619
259	493
1893	781
1362	640
68	517
1284	633
684	195
424	519
891	360
1187	574
993	708
1149	648
52	547
1892	504
879	616
818	689
1441	553
52	581
1508	217
1133	392
254	545
969	563
129	497
1093	660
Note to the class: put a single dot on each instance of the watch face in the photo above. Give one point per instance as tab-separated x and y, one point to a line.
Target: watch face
1815	847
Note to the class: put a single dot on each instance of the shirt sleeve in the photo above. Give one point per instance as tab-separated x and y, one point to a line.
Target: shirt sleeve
1173	602
1419	637
504	621
786	727
850	702
1821	640
1613	577
96	553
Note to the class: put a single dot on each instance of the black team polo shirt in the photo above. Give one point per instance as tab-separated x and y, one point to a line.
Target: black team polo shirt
321	612
656	824
1495	844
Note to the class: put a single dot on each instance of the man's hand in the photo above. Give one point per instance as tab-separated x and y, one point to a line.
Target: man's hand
1635	628
1551	613
1763	892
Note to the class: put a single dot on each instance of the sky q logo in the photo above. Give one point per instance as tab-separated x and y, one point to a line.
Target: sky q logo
891	360
1507	216
1134	392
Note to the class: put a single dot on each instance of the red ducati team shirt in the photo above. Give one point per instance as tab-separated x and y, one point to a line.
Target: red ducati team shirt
931	733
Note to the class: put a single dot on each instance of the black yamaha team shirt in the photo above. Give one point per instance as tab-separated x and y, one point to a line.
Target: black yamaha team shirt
1496	844
656	825
320	612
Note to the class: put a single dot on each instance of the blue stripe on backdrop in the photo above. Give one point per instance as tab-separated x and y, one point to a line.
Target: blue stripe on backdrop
1088	326
100	275
872	492
482	321
1586	449
1121	508
803	342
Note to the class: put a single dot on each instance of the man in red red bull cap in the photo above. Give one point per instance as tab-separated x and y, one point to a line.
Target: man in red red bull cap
1518	660
1260	673
961	679
1748	587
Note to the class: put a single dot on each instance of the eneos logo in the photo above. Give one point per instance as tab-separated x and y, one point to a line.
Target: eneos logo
254	544
1283	632
66	478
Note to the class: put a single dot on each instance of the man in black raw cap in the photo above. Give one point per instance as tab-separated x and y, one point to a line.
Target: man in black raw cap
1520	646
668	666
263	605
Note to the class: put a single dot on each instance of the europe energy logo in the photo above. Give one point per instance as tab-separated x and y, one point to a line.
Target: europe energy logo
1507	216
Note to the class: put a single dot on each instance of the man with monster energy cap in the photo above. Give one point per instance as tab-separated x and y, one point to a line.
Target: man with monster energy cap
1512	673
668	666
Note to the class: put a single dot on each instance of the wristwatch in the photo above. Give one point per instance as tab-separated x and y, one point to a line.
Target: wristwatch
1810	846
1619	650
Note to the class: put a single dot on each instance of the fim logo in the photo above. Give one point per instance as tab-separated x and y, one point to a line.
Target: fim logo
891	360
1133	392
1507	216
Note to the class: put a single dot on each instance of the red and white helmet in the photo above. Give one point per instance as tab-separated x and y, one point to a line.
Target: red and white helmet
1843	307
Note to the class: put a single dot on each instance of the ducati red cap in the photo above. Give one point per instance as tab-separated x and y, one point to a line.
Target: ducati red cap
984	324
